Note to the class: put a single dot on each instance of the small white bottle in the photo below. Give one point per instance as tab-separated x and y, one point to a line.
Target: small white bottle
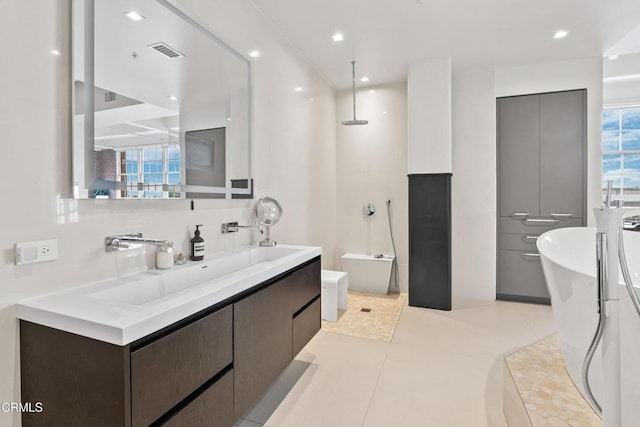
164	257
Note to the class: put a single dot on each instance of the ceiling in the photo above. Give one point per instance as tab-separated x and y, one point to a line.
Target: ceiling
385	36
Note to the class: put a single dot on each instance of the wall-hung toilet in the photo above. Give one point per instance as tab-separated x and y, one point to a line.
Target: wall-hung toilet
367	273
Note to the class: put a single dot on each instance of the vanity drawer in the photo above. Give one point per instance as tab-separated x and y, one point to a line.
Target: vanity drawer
213	408
169	369
520	274
535	225
305	285
305	325
518	242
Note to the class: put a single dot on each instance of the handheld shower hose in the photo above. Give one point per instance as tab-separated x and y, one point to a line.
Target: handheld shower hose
393	244
601	254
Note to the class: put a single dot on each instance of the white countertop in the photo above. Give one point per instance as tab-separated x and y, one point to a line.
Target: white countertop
123	310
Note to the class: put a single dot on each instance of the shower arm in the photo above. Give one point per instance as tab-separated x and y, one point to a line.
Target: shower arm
353	87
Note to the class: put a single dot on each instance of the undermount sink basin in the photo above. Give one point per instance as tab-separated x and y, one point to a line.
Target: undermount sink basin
211	272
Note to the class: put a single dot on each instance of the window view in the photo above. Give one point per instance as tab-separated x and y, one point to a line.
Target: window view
152	173
621	153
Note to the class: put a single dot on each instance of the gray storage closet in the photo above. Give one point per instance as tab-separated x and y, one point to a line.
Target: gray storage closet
541	183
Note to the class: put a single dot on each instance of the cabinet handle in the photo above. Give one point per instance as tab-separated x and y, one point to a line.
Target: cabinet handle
540	221
521	214
530	237
531	255
561	215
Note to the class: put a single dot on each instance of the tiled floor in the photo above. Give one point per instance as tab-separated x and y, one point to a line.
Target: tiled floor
546	390
440	369
368	316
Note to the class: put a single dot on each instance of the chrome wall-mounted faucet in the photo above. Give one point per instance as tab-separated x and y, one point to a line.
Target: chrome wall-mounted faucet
124	241
233	227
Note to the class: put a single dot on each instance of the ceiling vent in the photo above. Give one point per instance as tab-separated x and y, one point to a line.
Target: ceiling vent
166	50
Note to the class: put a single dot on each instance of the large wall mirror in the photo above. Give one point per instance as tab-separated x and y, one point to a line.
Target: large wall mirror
161	106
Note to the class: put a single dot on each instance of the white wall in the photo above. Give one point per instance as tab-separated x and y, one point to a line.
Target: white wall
372	168
473	198
294	161
622	81
429	121
474	158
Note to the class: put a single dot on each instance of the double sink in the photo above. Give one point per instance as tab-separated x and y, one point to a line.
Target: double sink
122	310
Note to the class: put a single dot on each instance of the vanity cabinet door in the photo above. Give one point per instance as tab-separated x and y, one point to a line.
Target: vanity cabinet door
518	152
305	325
213	408
520	276
168	370
562	154
306	285
262	332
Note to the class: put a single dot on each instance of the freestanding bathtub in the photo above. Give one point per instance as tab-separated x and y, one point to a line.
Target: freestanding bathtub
568	258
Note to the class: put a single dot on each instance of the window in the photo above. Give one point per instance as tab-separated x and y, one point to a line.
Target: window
152	172
621	153
129	172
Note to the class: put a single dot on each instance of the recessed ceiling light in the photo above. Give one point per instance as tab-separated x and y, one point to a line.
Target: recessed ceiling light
55	52
560	34
337	37
613	57
133	15
372	91
173	98
364	79
298	89
254	54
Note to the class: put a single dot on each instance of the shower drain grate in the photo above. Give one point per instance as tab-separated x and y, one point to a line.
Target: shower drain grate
365	310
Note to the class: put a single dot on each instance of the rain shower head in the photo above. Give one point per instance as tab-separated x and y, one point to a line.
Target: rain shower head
354	121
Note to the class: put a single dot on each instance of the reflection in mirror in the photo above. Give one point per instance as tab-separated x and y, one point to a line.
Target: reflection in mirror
161	106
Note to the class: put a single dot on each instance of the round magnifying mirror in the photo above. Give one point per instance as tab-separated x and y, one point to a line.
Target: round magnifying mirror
268	212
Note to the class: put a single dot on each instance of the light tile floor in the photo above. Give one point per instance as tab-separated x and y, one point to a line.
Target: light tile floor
440	369
379	323
543	385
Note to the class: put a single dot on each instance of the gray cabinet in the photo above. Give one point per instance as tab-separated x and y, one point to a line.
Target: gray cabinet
518	134
541	183
562	170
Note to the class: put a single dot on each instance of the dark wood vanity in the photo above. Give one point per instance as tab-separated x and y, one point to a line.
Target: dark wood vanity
205	370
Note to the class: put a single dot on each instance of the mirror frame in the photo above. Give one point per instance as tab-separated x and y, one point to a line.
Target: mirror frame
90	181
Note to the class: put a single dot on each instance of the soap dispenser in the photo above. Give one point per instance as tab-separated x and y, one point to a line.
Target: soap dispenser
197	246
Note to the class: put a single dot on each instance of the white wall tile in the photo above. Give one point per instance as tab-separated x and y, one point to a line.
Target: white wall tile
372	168
294	160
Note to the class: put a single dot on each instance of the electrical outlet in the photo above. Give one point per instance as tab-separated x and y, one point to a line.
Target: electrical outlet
38	251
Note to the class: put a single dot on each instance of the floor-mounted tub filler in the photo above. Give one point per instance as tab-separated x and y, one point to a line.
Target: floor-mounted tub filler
581	270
